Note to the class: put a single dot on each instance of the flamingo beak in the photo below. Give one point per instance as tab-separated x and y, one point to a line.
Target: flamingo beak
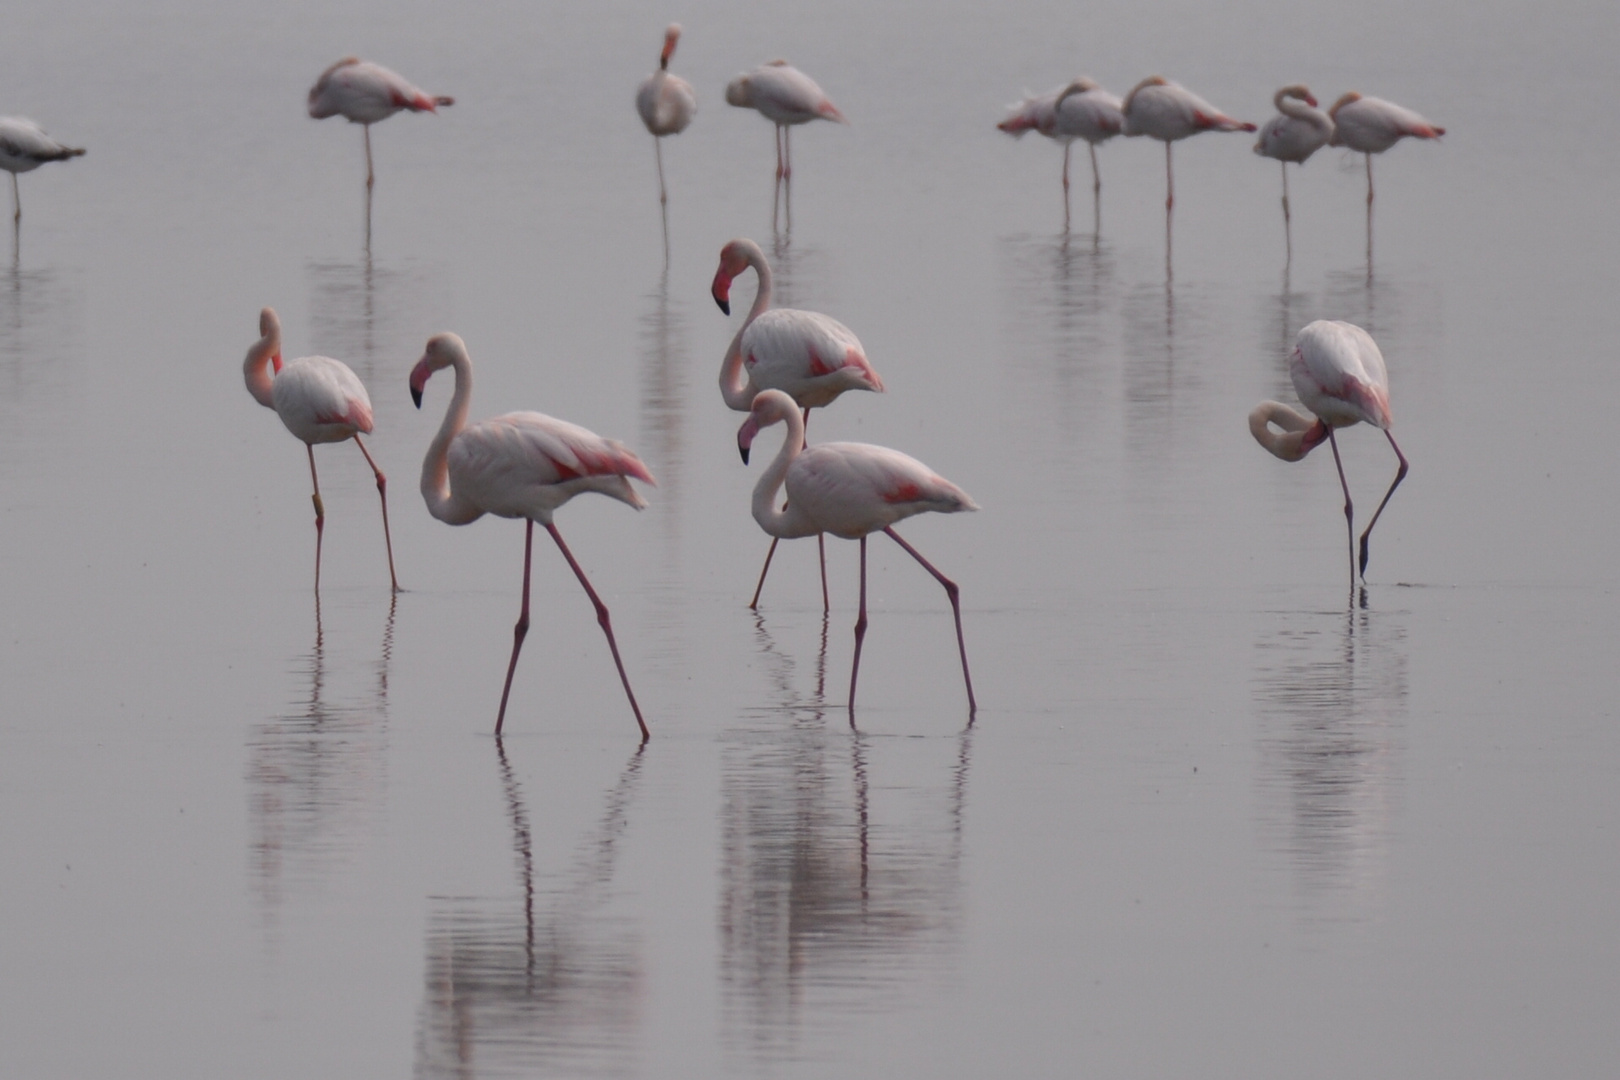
721	290
419	378
745	437
1310	100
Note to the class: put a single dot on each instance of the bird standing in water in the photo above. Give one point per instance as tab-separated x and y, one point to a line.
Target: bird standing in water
364	93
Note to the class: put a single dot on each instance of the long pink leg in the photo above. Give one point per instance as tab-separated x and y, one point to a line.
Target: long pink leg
787	153
1369	180
382	492
860	636
370	179
1349	513
1169	180
956	608
821	547
521	630
602	619
1400	474
320	515
779	151
1066	148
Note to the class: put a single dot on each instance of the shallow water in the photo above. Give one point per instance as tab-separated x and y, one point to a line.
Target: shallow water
1218	815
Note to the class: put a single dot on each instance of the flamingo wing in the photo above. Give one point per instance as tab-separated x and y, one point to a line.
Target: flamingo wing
24	146
321	400
1093	115
851	489
526	464
1339	374
787	95
666	103
786	348
365	93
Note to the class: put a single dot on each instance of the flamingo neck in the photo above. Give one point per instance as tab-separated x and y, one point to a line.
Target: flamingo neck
1292	106
1298	434
441	501
256	369
786	522
734	383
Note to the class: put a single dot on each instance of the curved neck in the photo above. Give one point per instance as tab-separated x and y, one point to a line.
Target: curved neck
256	368
1292	106
1298	434
734	385
784	522
436	491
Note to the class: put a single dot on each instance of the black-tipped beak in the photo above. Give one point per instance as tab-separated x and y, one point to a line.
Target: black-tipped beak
416	396
725	305
743	450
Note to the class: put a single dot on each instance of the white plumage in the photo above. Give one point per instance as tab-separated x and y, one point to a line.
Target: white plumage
1299	132
1373	125
1338	372
24	147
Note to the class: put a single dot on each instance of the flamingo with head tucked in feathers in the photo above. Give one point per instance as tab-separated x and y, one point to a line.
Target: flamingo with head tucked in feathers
320	400
1169	112
1079	110
364	93
785	96
1300	131
520	465
1373	125
850	490
665	102
24	147
809	356
1338	372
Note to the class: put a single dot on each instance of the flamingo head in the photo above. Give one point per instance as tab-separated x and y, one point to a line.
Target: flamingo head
671	36
443	350
740	92
1023	117
1300	91
733	261
770	407
1344	99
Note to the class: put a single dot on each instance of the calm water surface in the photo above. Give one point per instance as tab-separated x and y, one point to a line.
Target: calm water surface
1217	816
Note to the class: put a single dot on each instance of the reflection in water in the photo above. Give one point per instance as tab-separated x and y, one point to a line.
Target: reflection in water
362	312
41	314
782	213
316	775
513	992
665	359
1330	694
838	890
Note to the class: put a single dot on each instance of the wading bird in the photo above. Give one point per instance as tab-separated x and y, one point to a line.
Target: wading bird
849	490
1299	132
665	102
811	357
1169	112
24	147
1372	125
1080	110
321	401
785	96
364	93
1339	375
520	465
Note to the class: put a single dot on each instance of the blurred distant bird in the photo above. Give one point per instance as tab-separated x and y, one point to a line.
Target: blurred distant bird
520	465
321	401
666	102
1167	111
1339	375
1373	125
809	356
24	147
1080	110
849	490
785	96
364	93
1299	132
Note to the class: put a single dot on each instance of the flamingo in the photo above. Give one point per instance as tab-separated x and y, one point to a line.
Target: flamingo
1299	132
520	465
321	401
364	93
1168	111
1079	110
849	490
785	96
24	147
1372	125
1339	375
807	355
666	102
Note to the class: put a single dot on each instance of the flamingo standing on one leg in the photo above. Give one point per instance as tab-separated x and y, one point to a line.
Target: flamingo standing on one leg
666	103
785	96
1339	375
1080	110
1169	112
1372	125
364	93
24	147
520	465
321	401
849	490
1299	132
807	355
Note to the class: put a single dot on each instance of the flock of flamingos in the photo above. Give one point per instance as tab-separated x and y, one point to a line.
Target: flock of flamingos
783	362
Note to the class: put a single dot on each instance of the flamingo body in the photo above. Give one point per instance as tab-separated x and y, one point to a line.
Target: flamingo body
24	146
1300	131
666	102
1169	112
1090	113
1372	125
782	94
364	93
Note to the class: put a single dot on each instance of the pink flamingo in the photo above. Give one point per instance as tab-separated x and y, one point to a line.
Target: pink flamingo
364	93
1372	125
1339	375
811	357
1299	132
1167	111
321	401
666	103
1079	110
520	465
785	96
849	490
24	147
